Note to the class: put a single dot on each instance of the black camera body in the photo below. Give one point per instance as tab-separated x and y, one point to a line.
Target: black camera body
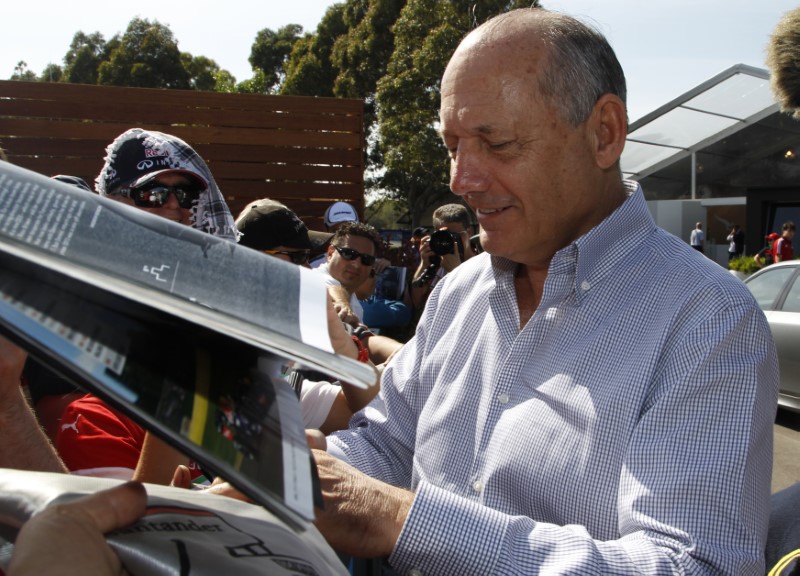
443	242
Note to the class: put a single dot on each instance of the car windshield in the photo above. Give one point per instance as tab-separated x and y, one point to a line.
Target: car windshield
768	285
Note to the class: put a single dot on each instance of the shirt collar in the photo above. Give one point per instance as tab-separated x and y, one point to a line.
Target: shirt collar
585	262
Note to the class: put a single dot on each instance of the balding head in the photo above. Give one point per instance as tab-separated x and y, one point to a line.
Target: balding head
567	63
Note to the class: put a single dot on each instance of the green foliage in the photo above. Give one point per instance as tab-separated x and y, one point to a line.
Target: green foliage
270	52
82	60
147	57
744	264
309	71
202	71
21	72
51	73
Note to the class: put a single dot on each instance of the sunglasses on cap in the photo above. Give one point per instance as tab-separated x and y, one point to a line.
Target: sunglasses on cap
155	194
296	256
350	254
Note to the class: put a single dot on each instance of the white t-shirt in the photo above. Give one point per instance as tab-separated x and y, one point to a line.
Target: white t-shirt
316	399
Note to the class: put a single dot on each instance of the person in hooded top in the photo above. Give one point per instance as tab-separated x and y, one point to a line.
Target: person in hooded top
163	175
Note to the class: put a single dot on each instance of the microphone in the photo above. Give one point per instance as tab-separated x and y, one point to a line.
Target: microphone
783	60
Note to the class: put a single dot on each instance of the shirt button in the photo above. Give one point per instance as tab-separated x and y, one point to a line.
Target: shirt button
585	285
477	485
503	398
414	572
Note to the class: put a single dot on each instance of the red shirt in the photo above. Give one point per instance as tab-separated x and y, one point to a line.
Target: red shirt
783	248
94	439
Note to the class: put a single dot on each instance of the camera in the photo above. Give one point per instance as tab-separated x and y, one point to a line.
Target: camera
443	242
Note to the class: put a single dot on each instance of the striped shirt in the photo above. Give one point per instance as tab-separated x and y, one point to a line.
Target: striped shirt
627	428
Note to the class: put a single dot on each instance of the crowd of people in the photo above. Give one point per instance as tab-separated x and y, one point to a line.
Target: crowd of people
575	398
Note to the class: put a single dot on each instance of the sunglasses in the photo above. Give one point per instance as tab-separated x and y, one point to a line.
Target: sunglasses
296	256
350	254
156	195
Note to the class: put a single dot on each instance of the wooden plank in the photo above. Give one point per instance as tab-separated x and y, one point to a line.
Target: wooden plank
95	130
219	152
192	98
275	154
55	147
298	172
308	151
164	113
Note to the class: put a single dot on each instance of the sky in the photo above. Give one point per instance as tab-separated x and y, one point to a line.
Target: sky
665	47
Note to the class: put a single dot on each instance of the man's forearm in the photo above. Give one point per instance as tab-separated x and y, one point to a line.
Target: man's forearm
25	446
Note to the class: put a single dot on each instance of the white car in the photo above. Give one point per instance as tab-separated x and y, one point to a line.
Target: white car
777	291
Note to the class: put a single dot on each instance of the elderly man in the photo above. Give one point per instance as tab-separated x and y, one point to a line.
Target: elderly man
588	396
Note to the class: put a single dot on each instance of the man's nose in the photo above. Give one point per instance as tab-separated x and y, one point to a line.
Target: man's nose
466	173
172	201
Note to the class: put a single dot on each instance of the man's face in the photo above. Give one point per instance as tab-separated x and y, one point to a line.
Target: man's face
350	273
519	166
171	210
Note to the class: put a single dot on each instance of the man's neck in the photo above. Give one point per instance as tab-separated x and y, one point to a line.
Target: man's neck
529	286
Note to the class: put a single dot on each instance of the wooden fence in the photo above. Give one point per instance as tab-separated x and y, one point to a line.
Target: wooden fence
306	152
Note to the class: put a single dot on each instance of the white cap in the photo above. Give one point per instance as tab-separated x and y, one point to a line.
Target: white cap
340	212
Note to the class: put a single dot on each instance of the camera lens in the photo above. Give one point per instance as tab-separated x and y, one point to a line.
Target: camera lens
441	242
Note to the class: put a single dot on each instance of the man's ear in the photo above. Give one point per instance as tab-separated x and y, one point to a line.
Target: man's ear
610	125
329	251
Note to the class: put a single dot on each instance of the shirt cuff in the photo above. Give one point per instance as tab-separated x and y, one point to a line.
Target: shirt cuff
448	534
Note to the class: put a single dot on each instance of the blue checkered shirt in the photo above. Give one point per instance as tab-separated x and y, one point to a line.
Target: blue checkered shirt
626	429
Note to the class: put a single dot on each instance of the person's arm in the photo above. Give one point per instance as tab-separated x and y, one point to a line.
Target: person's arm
419	293
157	461
777	251
69	539
692	490
341	304
25	445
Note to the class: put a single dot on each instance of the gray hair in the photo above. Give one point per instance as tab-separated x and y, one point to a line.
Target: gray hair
580	65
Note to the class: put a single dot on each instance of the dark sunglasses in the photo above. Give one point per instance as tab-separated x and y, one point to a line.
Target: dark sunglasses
156	195
297	256
350	254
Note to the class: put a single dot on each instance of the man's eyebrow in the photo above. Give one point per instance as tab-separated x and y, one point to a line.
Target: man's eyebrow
483	129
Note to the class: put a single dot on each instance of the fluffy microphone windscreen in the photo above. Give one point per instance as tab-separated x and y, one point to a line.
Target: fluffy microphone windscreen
783	60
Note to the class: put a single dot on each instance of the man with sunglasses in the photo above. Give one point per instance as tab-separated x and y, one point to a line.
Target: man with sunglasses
349	262
268	226
163	175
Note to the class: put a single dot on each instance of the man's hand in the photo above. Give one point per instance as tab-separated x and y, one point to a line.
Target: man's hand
341	304
363	517
70	539
182	478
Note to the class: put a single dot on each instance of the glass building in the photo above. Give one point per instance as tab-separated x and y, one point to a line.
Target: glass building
720	154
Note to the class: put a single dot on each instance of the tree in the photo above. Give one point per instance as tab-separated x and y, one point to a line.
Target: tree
309	71
361	55
202	71
51	73
21	72
146	56
270	52
82	60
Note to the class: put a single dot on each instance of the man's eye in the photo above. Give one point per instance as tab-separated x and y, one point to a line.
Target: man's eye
499	145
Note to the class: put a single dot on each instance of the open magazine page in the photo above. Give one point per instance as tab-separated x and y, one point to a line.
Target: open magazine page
222	400
189	335
101	234
181	532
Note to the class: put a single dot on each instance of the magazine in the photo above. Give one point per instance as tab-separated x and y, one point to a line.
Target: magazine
189	335
181	532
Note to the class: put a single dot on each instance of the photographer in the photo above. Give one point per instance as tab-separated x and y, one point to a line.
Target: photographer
442	251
